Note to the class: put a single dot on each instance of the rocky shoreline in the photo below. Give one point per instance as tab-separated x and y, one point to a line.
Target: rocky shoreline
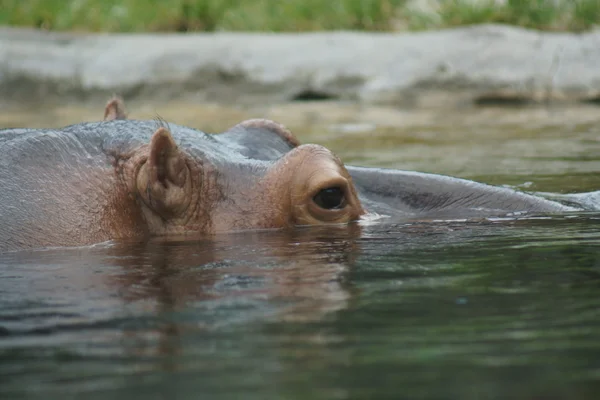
485	64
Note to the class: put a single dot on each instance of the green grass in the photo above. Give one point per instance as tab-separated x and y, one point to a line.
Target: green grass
292	15
200	15
548	15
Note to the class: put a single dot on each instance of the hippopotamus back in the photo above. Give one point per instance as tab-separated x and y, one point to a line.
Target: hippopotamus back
49	180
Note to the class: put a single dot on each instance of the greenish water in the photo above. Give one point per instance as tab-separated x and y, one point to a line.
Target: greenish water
452	310
489	309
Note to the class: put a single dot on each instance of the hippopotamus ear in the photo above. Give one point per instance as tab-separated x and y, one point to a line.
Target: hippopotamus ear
163	178
261	139
115	109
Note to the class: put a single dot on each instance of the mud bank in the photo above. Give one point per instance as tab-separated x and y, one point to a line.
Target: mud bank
486	64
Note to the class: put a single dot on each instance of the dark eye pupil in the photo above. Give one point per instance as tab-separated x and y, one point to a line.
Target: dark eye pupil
330	198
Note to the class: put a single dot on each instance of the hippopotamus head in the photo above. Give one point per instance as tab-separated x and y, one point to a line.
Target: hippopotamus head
219	183
255	175
258	175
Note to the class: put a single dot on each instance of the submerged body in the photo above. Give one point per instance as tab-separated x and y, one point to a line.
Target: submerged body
120	178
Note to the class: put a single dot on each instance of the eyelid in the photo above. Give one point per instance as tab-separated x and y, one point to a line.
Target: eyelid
329	183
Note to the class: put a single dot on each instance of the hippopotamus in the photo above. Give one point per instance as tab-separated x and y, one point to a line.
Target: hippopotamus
121	178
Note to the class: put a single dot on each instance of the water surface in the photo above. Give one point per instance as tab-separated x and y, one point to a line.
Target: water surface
487	309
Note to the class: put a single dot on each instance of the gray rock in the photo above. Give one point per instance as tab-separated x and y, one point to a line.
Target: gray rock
470	64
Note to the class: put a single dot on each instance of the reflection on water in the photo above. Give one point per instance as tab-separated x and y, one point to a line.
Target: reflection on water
490	309
506	309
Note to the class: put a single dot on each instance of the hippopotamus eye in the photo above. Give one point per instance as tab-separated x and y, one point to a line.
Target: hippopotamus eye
330	198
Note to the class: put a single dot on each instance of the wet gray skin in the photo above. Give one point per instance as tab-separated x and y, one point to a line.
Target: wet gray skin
92	182
408	194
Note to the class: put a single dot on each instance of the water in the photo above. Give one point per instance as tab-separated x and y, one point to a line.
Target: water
489	309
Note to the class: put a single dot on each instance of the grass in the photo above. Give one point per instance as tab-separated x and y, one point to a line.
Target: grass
293	15
548	15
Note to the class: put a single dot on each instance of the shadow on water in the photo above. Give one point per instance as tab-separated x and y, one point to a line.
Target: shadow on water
488	309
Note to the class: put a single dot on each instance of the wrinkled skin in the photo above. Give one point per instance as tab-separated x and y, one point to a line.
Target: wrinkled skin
119	178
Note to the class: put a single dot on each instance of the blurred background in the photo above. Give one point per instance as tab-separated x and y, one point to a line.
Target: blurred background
425	95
